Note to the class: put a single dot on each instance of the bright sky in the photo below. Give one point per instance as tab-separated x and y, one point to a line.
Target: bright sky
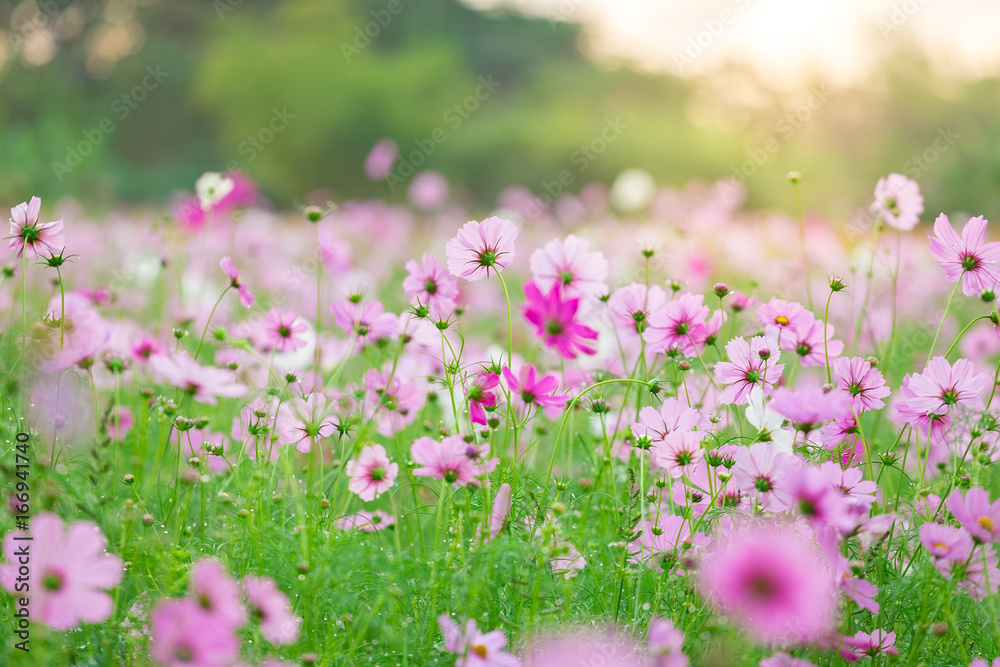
784	39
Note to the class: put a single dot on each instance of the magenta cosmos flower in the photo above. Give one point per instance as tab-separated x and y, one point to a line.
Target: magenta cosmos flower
773	582
372	473
863	381
270	606
473	647
571	266
68	574
246	296
481	394
530	389
678	326
31	238
753	364
976	514
445	459
942	386
555	322
204	383
185	635
429	284
968	258
899	201
282	331
481	247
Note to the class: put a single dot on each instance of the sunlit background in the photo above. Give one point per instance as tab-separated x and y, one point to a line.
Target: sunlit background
111	101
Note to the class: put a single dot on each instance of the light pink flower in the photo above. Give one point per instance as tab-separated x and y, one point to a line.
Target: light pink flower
762	471
246	296
445	459
481	247
277	622
474	648
380	159
583	647
808	343
31	238
368	321
666	644
976	514
303	421
946	542
877	642
969	258
810	407
282	331
68	571
863	381
781	659
942	386
428	191
679	453
428	283
750	365
631	307
501	510
679	326
204	383
217	593
372	473
555	321
365	521
185	635
781	317
572	266
899	201
773	582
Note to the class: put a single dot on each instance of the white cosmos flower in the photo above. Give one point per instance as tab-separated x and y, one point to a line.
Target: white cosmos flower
768	423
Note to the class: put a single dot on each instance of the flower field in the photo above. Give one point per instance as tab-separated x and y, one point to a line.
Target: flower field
596	431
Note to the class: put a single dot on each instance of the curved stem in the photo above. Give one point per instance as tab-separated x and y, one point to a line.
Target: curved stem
944	315
967	327
208	323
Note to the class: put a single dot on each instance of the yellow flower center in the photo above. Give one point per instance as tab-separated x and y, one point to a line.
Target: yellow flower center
781	319
940	546
985	522
479	650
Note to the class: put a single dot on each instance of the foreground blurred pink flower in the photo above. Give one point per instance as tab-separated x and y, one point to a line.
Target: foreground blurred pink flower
277	622
473	647
899	201
31	238
217	593
184	634
809	407
372	473
773	582
501	511
555	321
968	258
69	570
428	191
976	514
481	247
581	648
666	644
204	383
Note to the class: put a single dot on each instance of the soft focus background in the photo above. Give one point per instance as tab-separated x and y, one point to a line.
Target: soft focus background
131	100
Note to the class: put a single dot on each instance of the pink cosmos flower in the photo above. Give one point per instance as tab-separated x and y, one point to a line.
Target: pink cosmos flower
365	521
246	296
303	421
809	407
631	307
571	266
145	348
394	402
773	582
820	503
750	365
281	331
762	471
658	542
368	321
501	510
372	473
863	381
185	635
979	662
942	386
679	326
277	622
680	453
946	543
976	514
428	191
474	648
428	283
808	343
877	642
481	395
739	301
583	647
217	593
380	159
935	425
968	258
781	659
204	383
445	459
29	237
666	644
566	560
69	571
673	416
780	317
555	322
899	201
531	390
481	247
